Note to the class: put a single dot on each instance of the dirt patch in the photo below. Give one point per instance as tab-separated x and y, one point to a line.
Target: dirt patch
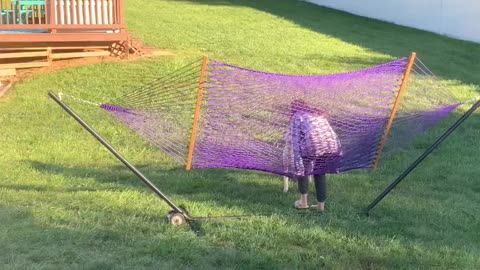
67	63
140	52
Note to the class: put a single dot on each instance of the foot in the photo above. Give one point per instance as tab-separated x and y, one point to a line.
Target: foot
320	207
300	205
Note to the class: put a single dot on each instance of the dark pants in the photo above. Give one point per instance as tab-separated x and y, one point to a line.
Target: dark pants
312	164
320	186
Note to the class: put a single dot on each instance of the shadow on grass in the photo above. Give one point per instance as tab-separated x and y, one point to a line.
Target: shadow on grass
449	58
37	242
100	239
234	189
149	245
229	188
246	192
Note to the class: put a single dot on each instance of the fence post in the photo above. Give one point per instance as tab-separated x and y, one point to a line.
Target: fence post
52	18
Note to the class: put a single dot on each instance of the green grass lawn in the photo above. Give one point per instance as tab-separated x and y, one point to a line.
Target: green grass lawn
66	203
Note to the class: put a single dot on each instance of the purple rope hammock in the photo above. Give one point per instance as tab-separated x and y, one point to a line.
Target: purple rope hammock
284	124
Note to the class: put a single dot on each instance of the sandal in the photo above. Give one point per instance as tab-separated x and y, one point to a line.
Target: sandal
314	207
298	206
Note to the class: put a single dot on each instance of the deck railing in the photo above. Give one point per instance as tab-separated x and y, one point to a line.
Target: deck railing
62	15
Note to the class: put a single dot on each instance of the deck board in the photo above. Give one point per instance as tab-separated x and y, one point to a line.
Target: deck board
61	37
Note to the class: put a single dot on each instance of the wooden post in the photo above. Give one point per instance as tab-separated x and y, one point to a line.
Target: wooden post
121	15
84	4
73	15
45	12
52	16
196	116
7	17
395	108
18	12
33	7
14	12
98	7
117	12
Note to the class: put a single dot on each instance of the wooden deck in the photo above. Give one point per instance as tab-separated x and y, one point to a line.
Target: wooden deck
61	21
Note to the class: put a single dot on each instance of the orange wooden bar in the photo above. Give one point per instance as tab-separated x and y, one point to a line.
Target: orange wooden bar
395	108
196	116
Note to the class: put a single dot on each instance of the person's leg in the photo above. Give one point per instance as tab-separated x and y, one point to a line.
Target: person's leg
321	190
303	190
285	184
303	184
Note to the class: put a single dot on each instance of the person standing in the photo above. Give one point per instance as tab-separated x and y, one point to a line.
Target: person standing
316	149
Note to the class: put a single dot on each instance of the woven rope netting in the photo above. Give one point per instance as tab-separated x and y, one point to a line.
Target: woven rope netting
161	111
426	101
263	121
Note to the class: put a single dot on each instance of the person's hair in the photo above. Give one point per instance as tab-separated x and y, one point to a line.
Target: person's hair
299	105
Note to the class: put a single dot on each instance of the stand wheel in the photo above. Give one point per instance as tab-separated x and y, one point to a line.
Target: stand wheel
176	218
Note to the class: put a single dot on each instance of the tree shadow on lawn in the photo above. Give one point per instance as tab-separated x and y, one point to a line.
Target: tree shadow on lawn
230	188
33	242
103	242
249	192
30	240
246	192
445	56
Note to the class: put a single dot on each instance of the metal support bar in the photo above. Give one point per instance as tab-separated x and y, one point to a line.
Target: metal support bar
422	157
119	156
